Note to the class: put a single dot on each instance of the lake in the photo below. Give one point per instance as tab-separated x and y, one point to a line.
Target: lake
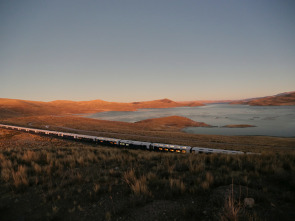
269	120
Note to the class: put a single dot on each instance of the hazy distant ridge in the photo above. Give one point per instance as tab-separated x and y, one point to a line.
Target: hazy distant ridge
286	98
15	107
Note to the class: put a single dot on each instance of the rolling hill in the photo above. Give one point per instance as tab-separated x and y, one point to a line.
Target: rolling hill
287	98
171	121
15	107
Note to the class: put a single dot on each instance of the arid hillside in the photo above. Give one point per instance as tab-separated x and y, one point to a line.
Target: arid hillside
276	100
14	107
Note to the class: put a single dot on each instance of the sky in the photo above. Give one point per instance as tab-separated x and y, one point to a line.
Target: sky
137	50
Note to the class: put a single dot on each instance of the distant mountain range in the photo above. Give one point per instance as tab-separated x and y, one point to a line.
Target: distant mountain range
15	107
287	98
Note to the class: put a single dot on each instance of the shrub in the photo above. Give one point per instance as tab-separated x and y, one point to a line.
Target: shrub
231	209
5	174
177	186
19	177
138	186
209	179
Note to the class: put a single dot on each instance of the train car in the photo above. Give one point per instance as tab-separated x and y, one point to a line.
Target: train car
49	132
107	141
132	144
22	129
6	126
170	148
86	138
200	150
69	136
33	131
38	131
53	133
250	153
234	152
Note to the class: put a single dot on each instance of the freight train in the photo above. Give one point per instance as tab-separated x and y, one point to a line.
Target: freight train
131	144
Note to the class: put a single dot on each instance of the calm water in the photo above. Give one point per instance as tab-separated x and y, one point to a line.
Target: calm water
270	121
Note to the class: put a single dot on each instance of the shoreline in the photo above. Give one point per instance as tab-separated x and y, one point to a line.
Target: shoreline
238	126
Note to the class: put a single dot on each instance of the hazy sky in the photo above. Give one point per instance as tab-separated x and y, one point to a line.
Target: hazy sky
145	50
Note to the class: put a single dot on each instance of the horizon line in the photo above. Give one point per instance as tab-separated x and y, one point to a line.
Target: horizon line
201	100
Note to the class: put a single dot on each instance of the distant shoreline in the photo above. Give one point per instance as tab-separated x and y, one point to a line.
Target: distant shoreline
238	126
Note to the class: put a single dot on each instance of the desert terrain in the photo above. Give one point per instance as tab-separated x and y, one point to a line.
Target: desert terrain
52	179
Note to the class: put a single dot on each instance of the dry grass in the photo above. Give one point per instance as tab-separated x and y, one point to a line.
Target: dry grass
208	181
177	186
65	171
20	177
137	185
231	209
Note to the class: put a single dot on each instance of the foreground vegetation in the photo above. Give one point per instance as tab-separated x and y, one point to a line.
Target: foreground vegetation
51	179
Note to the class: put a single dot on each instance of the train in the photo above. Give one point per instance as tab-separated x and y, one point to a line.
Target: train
130	144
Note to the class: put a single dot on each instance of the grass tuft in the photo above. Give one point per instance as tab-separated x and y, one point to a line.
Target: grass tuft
20	178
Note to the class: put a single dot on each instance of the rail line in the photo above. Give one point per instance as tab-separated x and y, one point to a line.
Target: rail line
132	144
